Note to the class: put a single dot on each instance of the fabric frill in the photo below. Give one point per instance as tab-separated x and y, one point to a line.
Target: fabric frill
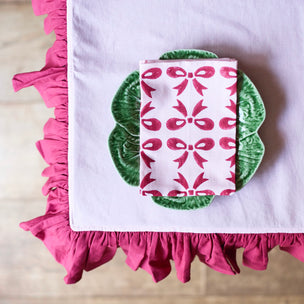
152	251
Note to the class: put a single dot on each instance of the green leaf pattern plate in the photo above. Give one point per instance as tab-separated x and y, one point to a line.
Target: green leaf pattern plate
124	139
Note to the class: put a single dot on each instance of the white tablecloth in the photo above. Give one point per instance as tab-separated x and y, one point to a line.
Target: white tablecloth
107	39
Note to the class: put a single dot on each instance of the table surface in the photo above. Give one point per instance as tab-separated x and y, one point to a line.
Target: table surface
28	273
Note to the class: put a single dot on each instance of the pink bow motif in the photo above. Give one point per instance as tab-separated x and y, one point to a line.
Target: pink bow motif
229	143
198	181
147	108
232	177
152	124
202	72
178	144
227	191
152	73
232	106
227	123
228	72
150	192
146	181
205	124
152	144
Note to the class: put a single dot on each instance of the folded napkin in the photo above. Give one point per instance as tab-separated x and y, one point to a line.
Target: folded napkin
188	127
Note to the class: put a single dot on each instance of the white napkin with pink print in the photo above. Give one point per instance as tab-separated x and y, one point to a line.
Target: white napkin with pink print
188	127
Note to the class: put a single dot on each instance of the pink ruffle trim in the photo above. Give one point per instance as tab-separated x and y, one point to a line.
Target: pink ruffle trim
152	251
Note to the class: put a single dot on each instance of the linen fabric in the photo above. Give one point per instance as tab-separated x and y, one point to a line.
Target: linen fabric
188	127
86	250
106	40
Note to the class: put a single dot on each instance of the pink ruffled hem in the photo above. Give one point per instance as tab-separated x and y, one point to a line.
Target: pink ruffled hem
152	251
